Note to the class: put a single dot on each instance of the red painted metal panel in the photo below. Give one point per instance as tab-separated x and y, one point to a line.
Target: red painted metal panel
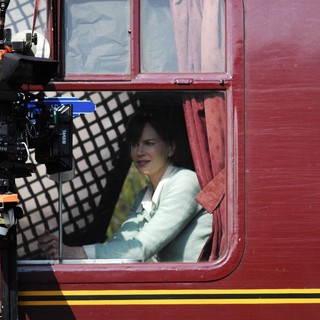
282	146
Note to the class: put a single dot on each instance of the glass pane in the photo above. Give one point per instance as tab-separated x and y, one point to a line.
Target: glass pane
91	201
96	36
182	36
158	53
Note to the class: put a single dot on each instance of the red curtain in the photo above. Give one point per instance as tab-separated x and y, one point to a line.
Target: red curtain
205	121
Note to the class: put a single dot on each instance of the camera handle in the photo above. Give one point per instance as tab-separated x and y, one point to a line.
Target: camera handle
59	178
60	217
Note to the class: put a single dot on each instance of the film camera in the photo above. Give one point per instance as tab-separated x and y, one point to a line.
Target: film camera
30	121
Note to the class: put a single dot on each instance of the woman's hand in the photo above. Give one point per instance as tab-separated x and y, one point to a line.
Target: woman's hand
49	245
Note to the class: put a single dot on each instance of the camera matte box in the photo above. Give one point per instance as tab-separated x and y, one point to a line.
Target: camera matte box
18	69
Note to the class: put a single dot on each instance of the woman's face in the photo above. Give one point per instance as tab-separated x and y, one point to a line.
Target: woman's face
151	154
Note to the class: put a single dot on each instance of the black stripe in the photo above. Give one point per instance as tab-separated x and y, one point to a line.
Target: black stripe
173	297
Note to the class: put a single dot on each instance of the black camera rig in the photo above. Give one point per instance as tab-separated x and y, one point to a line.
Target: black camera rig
30	121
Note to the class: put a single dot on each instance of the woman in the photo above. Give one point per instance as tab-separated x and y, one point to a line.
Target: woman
165	222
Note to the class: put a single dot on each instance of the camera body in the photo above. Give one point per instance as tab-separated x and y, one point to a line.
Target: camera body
28	121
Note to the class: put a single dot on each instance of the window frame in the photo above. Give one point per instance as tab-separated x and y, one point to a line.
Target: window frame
232	81
136	78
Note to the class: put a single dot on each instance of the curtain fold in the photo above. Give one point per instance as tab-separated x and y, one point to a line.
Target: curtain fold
196	129
198	27
205	121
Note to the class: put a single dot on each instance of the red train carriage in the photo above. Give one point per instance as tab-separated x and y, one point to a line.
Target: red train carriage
241	79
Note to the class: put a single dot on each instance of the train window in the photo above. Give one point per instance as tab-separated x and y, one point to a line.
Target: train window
173	31
108	39
122	55
102	165
91	195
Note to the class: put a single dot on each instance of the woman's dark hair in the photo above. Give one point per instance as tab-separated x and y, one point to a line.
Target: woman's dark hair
156	117
170	126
